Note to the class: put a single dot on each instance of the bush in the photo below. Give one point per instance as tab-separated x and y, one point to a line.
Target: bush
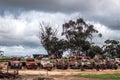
41	78
4	59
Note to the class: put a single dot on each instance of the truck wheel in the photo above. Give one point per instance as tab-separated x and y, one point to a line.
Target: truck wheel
97	67
115	67
9	64
49	69
20	67
23	64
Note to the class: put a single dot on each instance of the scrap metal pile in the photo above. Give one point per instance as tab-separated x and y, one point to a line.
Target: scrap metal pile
5	74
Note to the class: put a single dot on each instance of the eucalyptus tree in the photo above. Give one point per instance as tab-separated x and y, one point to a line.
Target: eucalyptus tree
118	50
111	47
79	35
94	50
49	40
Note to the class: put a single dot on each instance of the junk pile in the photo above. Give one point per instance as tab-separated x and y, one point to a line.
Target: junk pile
7	75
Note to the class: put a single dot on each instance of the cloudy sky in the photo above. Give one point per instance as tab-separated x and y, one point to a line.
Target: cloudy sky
19	21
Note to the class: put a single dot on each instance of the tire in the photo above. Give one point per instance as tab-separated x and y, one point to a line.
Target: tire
97	67
9	64
23	64
49	69
82	68
115	67
20	67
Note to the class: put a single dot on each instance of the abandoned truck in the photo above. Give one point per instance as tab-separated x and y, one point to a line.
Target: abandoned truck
31	64
61	64
15	63
73	63
46	64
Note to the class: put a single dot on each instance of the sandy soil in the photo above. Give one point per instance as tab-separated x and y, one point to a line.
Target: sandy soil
61	74
57	74
65	74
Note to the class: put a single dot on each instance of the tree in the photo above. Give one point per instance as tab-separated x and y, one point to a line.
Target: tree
94	49
52	44
111	47
79	35
118	50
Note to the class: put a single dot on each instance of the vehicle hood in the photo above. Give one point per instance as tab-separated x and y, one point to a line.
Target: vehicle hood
31	63
15	62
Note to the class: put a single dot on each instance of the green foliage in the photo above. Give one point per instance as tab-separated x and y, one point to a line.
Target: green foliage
41	78
79	35
112	48
49	40
100	76
4	59
94	50
52	60
23	60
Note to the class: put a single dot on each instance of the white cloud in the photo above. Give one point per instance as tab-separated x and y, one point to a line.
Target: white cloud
19	32
107	33
21	51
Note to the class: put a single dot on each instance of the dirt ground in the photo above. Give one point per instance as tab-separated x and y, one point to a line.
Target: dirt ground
64	74
58	74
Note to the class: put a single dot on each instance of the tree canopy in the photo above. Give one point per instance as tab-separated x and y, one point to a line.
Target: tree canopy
52	44
112	48
79	35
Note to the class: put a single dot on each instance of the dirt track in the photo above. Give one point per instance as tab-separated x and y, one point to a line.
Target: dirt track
64	74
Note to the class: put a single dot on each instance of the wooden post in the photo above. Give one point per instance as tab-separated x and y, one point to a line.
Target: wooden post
47	72
7	68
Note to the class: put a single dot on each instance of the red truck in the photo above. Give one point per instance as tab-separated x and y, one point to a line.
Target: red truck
31	64
61	64
15	63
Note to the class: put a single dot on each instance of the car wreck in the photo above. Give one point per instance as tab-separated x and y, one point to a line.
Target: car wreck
15	63
73	63
46	64
61	64
31	64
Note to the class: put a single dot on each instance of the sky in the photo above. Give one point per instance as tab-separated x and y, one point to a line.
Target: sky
20	21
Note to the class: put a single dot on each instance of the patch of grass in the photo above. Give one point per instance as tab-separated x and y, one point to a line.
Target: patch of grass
100	76
41	78
23	60
4	59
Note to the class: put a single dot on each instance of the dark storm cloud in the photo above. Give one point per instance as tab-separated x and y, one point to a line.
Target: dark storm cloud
46	5
16	41
57	5
104	11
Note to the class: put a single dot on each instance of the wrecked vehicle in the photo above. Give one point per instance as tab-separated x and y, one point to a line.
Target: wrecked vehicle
111	64
31	64
117	60
73	63
86	64
46	64
61	64
15	63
